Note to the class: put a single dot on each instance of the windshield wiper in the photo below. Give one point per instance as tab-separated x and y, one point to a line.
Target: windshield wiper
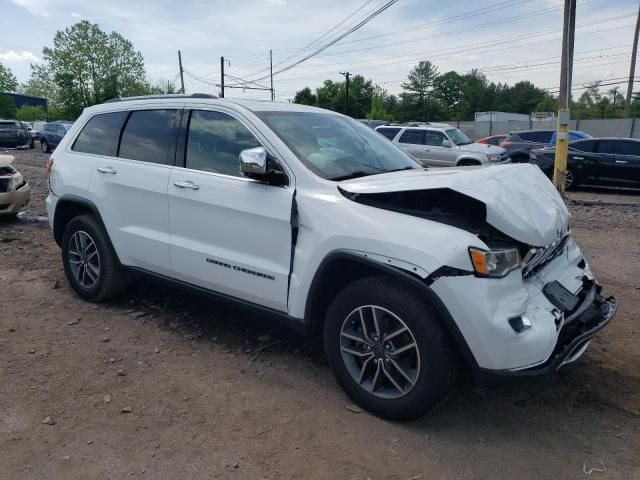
404	168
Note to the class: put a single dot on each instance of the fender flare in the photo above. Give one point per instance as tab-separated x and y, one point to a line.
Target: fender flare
408	278
75	200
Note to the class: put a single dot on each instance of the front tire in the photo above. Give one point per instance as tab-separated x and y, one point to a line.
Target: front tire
388	349
89	261
570	180
44	146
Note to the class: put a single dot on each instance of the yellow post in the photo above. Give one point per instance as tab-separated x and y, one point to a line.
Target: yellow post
562	148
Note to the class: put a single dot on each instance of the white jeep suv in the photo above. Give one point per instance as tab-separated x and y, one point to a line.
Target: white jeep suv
314	218
442	145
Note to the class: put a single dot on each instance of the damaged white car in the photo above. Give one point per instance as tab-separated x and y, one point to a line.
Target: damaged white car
306	215
15	192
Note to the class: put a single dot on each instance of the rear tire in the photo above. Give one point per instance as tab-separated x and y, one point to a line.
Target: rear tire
468	163
89	261
44	146
570	180
429	367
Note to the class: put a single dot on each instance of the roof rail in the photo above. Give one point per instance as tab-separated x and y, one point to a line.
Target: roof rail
155	97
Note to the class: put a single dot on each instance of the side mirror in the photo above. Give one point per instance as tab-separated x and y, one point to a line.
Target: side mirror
446	143
258	164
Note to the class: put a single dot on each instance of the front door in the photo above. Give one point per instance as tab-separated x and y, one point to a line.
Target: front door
620	162
229	234
436	153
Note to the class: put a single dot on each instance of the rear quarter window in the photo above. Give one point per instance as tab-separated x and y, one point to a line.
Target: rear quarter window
100	135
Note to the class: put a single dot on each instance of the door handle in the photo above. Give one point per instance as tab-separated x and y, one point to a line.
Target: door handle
186	184
621	161
578	158
109	170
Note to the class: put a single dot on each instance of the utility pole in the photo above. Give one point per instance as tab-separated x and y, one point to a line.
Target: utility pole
181	71
347	76
632	69
273	96
221	77
564	99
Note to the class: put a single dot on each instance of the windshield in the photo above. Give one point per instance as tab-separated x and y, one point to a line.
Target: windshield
7	126
334	147
458	137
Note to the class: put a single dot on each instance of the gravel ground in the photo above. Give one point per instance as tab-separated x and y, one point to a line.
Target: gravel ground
164	385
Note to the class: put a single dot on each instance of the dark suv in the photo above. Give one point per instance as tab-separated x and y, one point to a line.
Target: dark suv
520	143
14	135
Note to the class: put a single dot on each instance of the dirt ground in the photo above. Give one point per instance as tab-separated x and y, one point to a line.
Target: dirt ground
163	385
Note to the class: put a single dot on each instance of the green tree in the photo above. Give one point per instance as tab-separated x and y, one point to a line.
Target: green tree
378	106
548	104
7	107
31	113
361	91
331	95
525	96
448	90
88	66
420	81
305	97
8	81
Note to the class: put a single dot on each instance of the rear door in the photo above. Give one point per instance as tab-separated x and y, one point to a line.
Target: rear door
229	233
437	154
412	141
620	161
131	184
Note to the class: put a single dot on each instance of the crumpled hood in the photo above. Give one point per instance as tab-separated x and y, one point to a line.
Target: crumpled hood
482	148
6	160
520	200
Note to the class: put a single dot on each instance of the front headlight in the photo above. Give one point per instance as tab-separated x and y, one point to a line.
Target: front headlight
494	263
491	157
16	181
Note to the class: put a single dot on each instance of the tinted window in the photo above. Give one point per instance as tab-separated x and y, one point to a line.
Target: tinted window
415	137
100	135
606	146
61	130
626	147
583	146
214	142
390	133
149	136
539	137
435	138
49	127
496	140
7	126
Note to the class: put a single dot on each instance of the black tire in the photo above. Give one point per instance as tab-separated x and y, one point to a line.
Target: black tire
437	366
44	146
468	163
571	180
32	144
520	158
111	280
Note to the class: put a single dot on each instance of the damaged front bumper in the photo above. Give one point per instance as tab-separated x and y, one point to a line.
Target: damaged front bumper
533	323
12	202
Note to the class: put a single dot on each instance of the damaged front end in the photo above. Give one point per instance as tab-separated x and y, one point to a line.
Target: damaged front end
535	312
15	192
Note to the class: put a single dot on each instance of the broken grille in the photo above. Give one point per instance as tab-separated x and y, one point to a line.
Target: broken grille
536	258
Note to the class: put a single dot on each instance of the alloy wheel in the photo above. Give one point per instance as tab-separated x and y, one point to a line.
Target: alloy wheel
380	352
84	259
568	179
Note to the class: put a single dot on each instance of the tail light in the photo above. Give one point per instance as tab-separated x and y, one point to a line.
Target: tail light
49	165
505	144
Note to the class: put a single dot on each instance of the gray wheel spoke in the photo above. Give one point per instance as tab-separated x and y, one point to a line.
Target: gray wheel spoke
401	371
93	276
404	349
364	326
365	364
375	321
355	353
391	379
395	333
84	259
353	337
92	254
75	262
375	376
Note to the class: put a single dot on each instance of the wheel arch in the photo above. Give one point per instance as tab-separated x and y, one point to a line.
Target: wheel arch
470	160
67	208
340	268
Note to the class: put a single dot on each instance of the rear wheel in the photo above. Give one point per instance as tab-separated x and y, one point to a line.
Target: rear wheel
89	261
569	180
44	146
388	349
467	163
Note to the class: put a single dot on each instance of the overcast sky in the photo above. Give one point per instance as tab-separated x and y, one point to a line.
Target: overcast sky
509	40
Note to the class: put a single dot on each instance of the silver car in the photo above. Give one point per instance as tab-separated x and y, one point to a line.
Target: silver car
443	146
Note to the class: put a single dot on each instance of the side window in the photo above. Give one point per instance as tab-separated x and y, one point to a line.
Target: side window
583	146
627	147
100	135
390	133
414	137
605	146
48	127
435	139
60	130
527	136
149	136
214	142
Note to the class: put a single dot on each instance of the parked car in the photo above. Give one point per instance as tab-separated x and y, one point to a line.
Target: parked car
13	134
36	128
52	134
573	136
313	218
443	146
613	162
15	192
520	143
493	140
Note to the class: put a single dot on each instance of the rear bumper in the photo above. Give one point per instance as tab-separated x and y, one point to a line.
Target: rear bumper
589	317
